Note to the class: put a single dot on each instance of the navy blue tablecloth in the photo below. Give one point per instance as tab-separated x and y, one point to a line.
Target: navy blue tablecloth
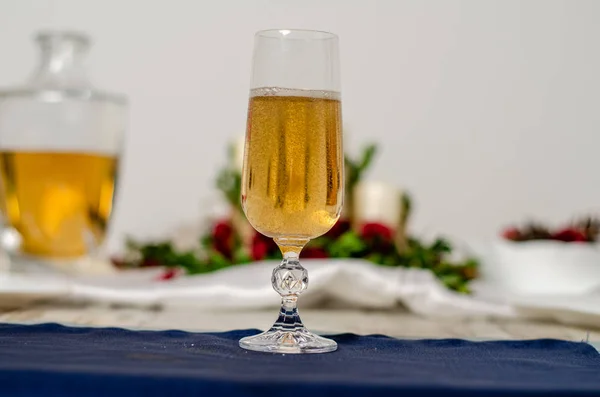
52	360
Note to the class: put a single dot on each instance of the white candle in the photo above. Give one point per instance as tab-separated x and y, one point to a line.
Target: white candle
377	202
238	153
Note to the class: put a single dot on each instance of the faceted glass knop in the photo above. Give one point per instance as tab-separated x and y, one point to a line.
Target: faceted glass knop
289	278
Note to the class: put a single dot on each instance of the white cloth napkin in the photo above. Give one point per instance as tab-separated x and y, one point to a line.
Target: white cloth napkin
342	282
347	282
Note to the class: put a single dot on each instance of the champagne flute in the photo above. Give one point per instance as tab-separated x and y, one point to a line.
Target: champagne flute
293	183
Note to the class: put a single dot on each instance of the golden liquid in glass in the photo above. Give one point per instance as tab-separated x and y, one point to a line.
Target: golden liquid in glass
292	184
59	202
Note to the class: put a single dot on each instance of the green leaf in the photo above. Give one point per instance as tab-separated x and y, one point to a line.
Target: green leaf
229	182
471	263
206	241
390	260
240	255
320	242
441	246
367	157
451	280
217	259
355	169
274	256
347	245
406	209
375	257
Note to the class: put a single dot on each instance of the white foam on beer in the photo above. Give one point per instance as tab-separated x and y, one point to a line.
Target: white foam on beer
279	91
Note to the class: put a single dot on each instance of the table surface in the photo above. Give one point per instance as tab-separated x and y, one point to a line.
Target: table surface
66	361
393	323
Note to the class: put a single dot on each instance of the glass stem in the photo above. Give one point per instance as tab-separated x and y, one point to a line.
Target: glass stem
289	279
288	319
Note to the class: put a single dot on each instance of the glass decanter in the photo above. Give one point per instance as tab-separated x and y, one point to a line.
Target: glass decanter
60	143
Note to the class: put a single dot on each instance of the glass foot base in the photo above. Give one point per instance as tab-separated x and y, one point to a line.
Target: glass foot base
295	341
288	335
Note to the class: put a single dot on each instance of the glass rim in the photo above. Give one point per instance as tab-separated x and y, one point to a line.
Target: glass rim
296	34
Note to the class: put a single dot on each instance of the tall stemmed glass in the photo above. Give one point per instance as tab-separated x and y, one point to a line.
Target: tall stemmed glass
293	184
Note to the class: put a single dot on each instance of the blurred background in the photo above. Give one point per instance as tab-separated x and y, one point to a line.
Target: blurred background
486	111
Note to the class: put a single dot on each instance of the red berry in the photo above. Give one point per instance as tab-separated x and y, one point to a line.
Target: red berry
262	246
512	233
570	235
168	274
223	238
376	231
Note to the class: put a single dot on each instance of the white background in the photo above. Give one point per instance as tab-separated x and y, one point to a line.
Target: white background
487	111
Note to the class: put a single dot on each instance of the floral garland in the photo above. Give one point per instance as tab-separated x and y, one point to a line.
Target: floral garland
585	230
232	241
